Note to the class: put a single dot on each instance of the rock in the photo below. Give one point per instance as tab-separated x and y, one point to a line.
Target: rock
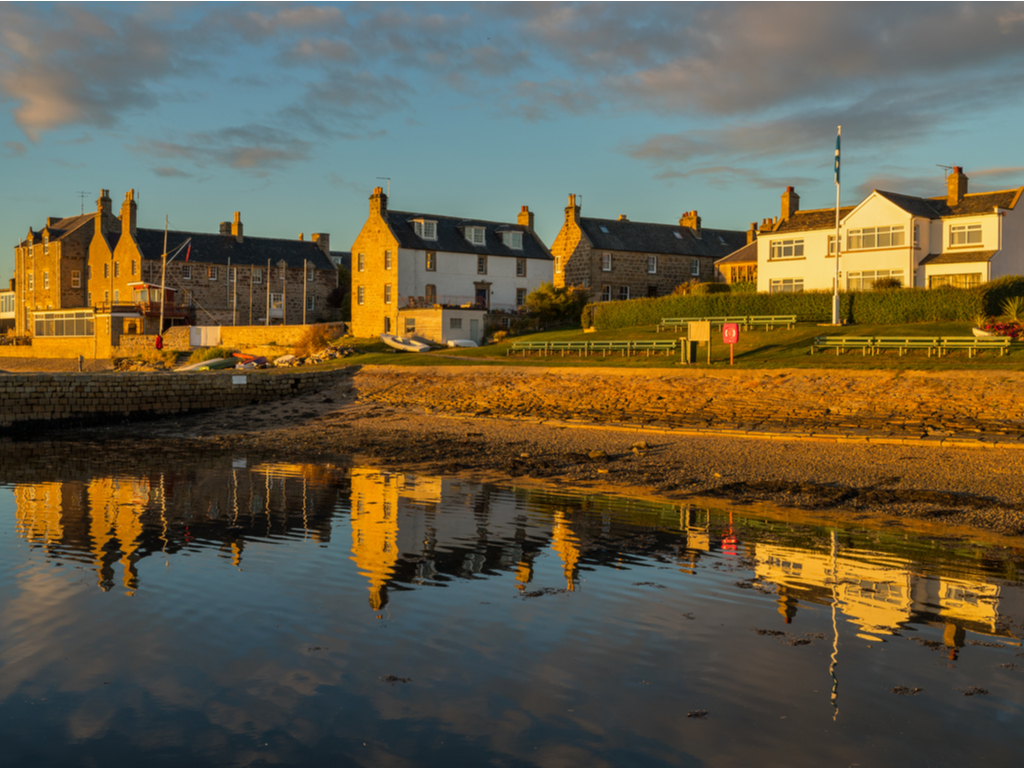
641	446
598	455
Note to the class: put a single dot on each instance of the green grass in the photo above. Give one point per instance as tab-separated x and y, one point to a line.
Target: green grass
757	349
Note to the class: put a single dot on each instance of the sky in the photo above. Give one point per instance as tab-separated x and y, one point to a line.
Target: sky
292	113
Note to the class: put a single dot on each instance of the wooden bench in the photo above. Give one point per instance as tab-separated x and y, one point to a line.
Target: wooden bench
904	343
974	345
528	346
770	321
843	343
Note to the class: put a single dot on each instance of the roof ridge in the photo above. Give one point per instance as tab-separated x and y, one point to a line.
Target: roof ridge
452	218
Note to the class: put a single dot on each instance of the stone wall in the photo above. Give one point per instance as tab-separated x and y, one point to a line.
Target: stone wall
31	401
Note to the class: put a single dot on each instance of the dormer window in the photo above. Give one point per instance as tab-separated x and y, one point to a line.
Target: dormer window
513	240
475	235
425	229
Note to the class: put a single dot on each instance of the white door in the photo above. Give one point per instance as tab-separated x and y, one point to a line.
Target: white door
474	330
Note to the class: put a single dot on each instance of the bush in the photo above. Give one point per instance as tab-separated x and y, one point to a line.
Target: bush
551	305
315	338
887	284
743	287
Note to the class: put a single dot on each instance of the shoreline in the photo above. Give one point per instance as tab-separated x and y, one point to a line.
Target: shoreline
371	417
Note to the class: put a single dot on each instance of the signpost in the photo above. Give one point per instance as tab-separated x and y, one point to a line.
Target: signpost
731	336
697	332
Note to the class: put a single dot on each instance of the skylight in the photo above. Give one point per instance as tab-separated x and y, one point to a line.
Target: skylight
604	229
678	236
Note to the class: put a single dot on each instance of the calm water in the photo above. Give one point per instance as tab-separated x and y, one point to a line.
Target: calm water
226	613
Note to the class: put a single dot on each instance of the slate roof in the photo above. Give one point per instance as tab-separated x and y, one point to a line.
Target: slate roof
958	257
971	205
451	236
745	255
217	249
671	239
62	228
805	221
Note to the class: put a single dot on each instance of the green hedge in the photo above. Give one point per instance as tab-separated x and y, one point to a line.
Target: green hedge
894	306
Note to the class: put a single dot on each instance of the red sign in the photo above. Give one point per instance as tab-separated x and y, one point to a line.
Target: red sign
731	333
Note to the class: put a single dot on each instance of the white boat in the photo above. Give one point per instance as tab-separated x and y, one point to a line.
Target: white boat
462	343
403	344
982	334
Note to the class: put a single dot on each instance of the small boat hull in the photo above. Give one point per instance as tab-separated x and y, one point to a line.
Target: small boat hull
403	344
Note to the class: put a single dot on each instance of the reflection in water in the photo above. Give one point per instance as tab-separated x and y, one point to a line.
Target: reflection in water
553	603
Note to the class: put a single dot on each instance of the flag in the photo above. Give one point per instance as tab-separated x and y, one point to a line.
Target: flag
189	251
838	134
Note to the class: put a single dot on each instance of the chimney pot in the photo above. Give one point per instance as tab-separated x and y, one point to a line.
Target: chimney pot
622	217
301	237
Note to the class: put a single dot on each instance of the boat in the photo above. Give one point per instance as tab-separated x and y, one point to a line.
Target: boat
251	363
218	364
197	366
978	332
403	344
462	343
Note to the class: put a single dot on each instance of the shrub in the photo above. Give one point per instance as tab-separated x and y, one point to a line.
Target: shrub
887	283
743	287
551	305
315	338
500	336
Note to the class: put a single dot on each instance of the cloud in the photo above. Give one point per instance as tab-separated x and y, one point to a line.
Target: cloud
15	148
255	149
171	173
728	176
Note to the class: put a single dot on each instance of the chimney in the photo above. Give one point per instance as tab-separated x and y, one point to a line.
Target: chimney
790	203
692	220
51	220
302	236
622	217
323	240
572	211
128	213
752	232
379	202
236	227
104	208
956	186
766	225
225	228
525	218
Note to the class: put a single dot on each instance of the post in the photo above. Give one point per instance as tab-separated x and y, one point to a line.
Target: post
233	282
305	279
250	294
835	293
284	291
266	320
163	280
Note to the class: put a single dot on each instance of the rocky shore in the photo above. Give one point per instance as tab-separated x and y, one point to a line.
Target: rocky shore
925	450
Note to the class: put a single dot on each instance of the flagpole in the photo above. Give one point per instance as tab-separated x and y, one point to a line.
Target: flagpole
835	296
163	280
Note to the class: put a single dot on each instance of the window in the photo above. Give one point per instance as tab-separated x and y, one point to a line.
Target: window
233	299
965	234
431	294
106	271
387	259
558	263
186	271
623	293
310	273
917	235
211	272
513	240
257	275
520	297
117	295
188	298
361	294
652	265
787	249
31	281
475	235
88	299
455	323
606	293
481	265
520	267
277	301
361	262
865	281
431	261
410	325
606	262
46	280
106	297
695	268
310	303
117	269
874	237
134	267
232	273
955	281
832	244
77	323
387	294
46	248
76	278
652	291
787	285
425	229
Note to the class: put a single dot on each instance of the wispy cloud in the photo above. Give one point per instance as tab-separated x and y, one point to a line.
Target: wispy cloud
15	148
254	149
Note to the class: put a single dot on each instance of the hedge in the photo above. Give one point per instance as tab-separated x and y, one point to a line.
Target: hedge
886	307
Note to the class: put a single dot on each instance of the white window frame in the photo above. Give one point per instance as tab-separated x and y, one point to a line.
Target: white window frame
792	248
257	275
426	229
310	273
513	240
864	280
606	262
31	281
455	323
212	273
361	294
962	280
787	285
387	293
870	238
476	235
186	271
964	235
558	263
232	274
481	265
695	268
606	293
361	262
520	267
310	303
46	279
623	293
387	259
276	301
652	265
76	278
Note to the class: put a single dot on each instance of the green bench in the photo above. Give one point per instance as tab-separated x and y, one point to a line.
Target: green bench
668	323
904	343
561	347
770	321
604	347
668	346
528	346
974	345
843	343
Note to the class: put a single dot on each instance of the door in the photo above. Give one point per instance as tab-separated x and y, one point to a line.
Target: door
481	298
474	330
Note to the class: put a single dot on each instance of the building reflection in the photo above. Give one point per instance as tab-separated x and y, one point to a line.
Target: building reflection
111	523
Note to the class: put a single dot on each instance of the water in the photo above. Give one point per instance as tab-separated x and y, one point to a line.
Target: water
217	612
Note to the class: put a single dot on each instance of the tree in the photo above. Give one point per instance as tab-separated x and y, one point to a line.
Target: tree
554	306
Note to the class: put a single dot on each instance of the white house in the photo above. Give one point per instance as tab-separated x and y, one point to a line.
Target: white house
960	239
403	260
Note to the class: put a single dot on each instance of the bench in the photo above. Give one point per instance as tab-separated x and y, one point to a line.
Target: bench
528	346
843	343
561	347
604	347
770	321
668	323
668	346
904	343
974	345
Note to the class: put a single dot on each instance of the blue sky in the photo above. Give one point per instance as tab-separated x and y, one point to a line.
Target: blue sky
290	112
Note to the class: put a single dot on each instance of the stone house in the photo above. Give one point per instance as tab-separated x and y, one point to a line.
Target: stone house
403	261
622	259
959	239
740	266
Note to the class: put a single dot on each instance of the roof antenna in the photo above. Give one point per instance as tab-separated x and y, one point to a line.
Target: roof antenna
388	179
945	170
81	196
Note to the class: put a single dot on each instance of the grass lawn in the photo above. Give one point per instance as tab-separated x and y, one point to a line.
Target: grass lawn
780	348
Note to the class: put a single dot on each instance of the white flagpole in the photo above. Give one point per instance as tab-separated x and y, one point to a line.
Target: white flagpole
835	297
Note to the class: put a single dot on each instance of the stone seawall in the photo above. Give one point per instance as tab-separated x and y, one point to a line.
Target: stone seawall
946	406
31	401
